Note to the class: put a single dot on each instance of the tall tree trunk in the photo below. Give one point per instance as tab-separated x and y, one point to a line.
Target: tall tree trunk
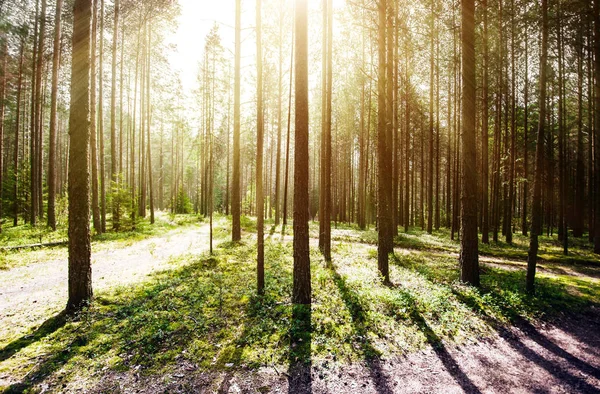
287	145
260	216
80	268
597	126
431	87
101	122
536	214
469	258
113	122
513	131
17	128
279	124
4	60
485	229
526	184
33	211
93	132
149	123
235	188
580	166
53	116
384	217
302	284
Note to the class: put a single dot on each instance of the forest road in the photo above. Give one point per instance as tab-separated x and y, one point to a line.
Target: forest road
39	290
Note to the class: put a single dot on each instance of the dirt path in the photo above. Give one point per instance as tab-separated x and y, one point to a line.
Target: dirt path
559	358
40	290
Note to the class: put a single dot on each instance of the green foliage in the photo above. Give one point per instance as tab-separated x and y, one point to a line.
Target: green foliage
183	205
205	311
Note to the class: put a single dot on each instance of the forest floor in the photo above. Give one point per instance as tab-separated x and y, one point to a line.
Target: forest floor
168	317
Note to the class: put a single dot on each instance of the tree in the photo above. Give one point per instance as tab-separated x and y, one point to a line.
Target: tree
53	116
325	194
80	268
597	125
4	61
236	233
536	213
485	231
469	258
302	286
384	214
260	226
113	121
93	132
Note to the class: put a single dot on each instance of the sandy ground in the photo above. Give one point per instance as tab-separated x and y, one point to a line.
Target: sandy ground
559	358
563	357
40	290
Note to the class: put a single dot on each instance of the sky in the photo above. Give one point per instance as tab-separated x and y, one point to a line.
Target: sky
194	23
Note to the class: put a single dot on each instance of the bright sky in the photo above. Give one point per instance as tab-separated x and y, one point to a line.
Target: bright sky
199	16
196	19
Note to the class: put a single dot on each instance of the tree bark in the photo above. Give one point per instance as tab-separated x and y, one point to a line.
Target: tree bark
302	282
236	234
80	269
536	214
469	259
260	216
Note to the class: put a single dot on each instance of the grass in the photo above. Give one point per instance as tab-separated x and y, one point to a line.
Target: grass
26	234
205	312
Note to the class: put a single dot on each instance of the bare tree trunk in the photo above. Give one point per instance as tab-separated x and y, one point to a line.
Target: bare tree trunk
469	258
101	123
93	132
4	57
149	113
80	269
17	128
536	214
384	218
236	234
260	216
302	284
485	230
431	83
279	124
113	123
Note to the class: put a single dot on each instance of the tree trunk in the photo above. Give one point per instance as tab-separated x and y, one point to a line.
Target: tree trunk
260	216
485	229
113	123
384	217
302	282
236	234
469	259
93	133
17	128
101	122
536	214
80	269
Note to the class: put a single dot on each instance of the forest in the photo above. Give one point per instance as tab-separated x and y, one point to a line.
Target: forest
349	196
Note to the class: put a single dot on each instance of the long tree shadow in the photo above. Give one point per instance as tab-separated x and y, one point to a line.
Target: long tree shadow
43	369
369	352
300	360
576	383
47	328
440	349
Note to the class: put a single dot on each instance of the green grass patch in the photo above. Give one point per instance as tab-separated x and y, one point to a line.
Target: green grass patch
205	312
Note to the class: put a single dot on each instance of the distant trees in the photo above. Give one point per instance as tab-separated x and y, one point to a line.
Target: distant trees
397	146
